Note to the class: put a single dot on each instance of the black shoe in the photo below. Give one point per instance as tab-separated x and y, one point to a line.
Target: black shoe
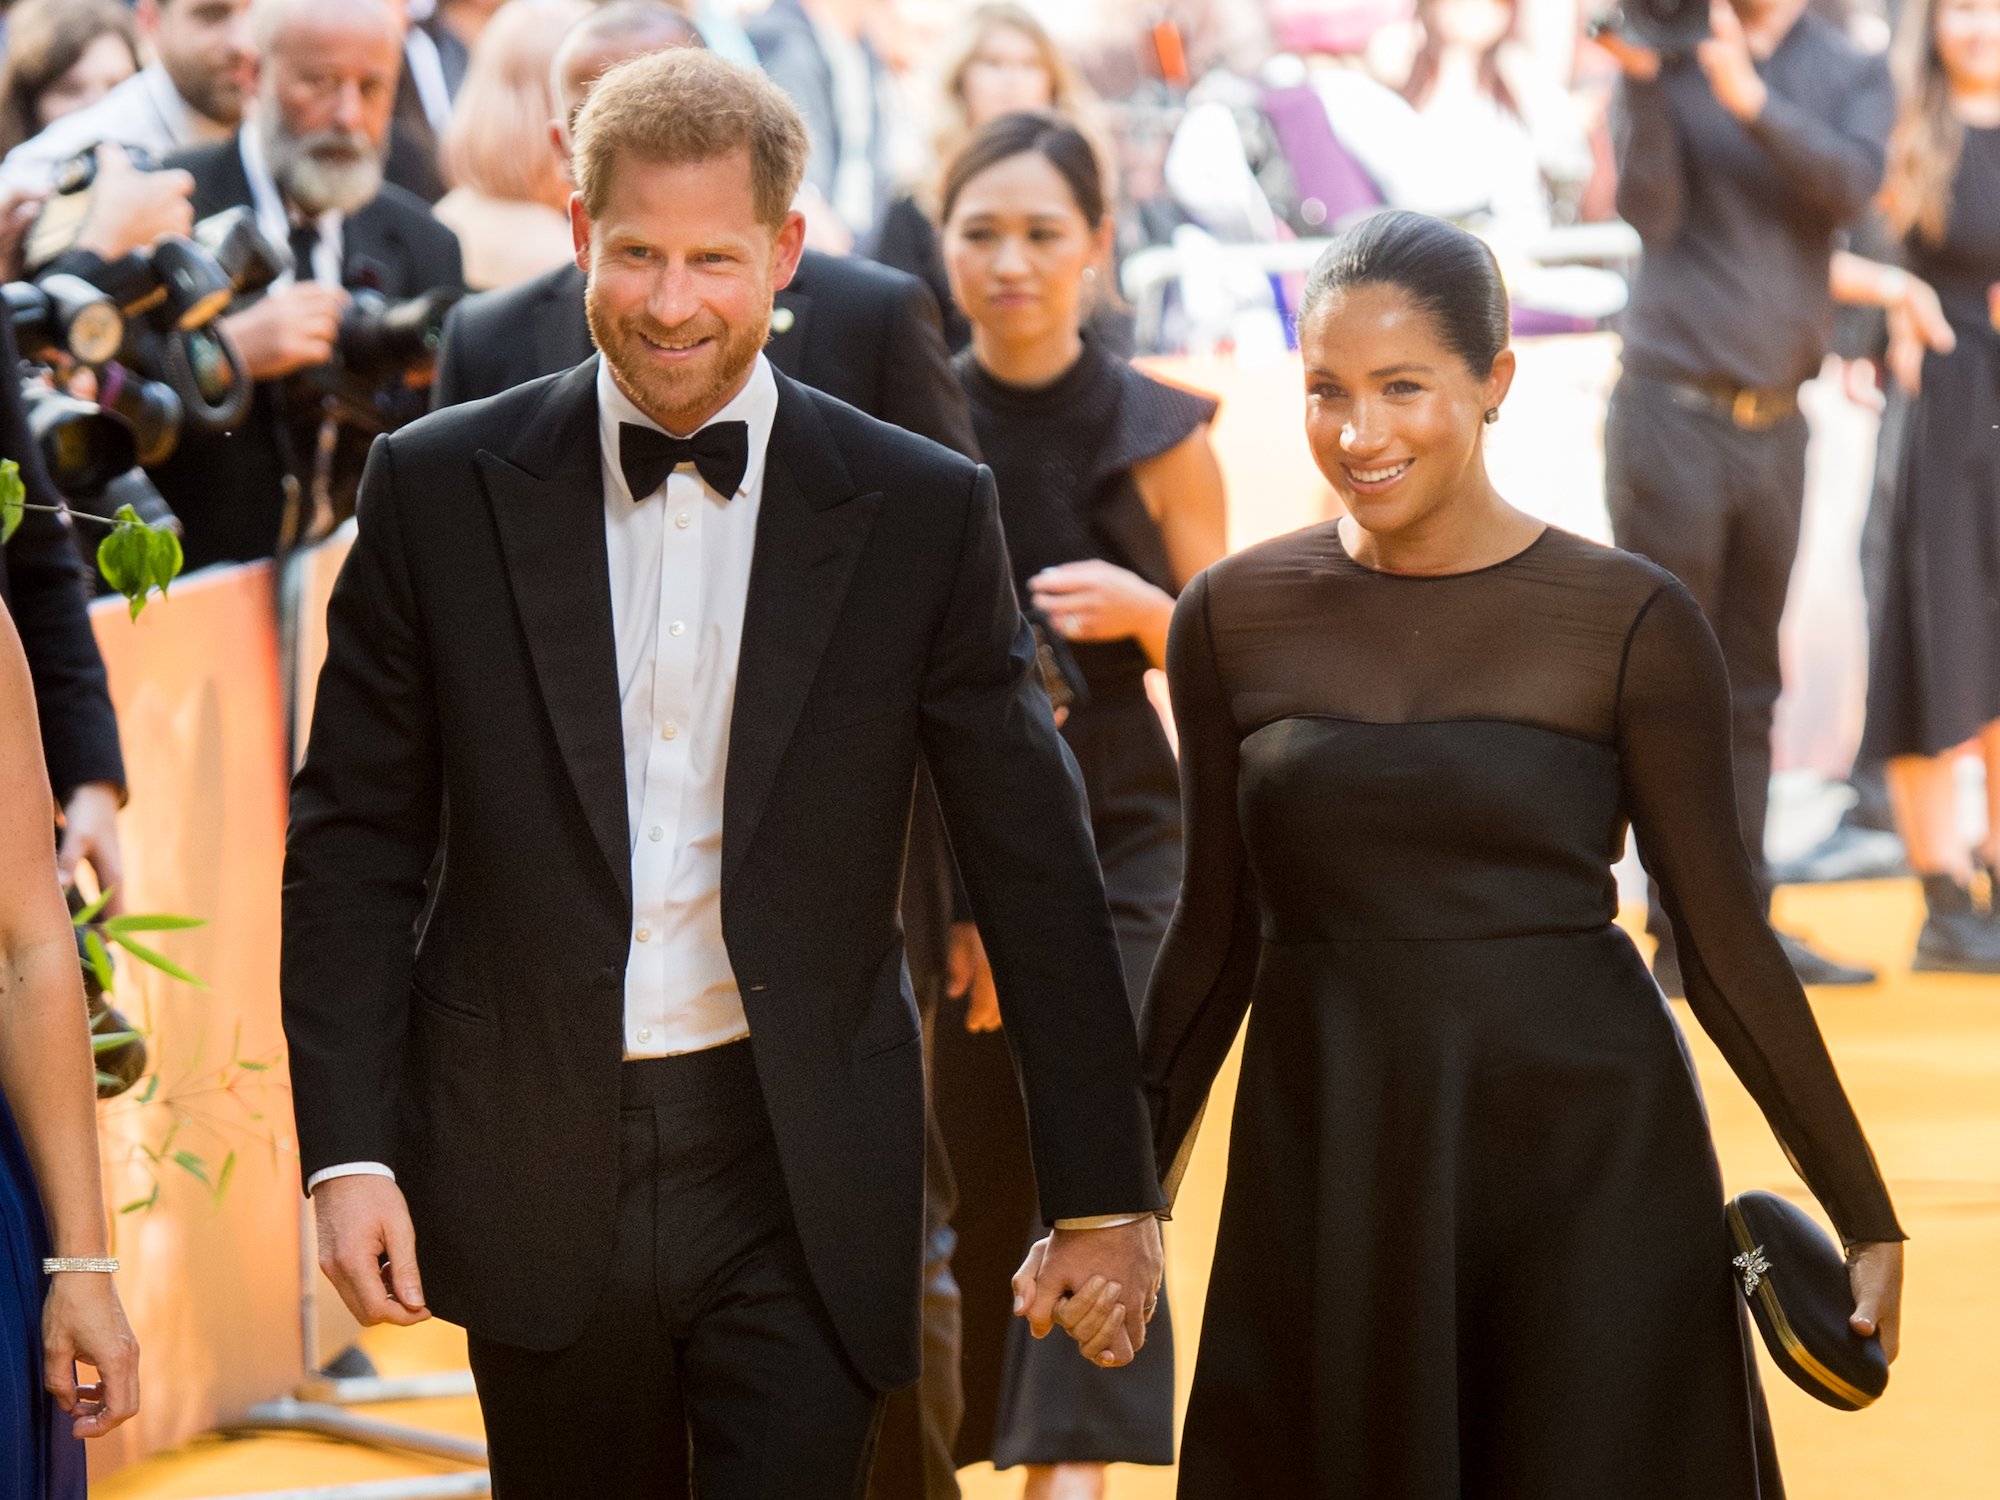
1814	967
1957	937
1851	851
1667	970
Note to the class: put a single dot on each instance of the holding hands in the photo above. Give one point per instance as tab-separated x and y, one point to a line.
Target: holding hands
1100	1286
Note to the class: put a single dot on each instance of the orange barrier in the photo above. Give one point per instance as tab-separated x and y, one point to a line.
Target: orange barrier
211	1281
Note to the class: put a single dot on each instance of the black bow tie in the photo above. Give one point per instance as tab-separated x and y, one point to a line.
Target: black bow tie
720	453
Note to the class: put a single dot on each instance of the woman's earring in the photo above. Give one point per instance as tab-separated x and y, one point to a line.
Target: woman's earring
1090	273
1492	415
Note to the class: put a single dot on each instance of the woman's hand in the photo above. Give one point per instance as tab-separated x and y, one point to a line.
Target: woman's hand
1875	1272
1917	326
1095	600
83	1320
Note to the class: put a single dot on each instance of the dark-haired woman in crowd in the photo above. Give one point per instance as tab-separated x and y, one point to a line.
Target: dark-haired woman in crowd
57	1303
1472	1239
1934	662
61	56
1003	61
1111	499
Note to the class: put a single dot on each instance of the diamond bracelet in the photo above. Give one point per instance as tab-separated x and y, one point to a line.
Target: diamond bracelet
102	1264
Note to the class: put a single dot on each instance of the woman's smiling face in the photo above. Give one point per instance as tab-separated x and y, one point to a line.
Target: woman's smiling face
1393	412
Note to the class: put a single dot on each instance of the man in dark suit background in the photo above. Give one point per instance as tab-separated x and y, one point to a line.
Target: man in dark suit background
42	586
309	162
874	340
647	1091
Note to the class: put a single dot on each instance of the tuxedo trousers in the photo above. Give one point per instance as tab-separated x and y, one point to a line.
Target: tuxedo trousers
709	1367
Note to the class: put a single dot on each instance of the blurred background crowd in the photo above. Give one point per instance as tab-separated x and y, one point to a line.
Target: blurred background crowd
242	237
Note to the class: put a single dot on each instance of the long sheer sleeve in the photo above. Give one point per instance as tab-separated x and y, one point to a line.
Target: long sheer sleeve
1673	744
1201	980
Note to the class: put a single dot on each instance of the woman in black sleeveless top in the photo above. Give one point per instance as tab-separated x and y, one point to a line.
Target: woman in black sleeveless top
1111	500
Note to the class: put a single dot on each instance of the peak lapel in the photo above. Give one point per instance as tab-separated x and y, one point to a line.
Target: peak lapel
548	505
810	531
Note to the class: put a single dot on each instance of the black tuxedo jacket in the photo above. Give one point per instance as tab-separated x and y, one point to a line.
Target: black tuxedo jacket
228	488
864	333
471	663
41	583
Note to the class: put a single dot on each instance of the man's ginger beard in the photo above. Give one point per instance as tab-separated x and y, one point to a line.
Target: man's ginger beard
677	400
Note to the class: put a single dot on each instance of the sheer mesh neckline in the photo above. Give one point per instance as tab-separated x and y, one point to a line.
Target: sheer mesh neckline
1351	560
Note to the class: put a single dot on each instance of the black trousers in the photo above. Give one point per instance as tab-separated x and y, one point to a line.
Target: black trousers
1718	506
709	1366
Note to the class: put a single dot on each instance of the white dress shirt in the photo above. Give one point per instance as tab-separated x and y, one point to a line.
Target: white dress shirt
145	111
680	574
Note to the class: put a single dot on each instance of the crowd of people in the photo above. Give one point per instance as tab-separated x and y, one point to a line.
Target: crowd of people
504	249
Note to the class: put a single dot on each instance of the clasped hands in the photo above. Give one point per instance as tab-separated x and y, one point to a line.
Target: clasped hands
1100	1286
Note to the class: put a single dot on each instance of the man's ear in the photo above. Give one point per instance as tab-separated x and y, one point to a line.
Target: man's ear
579	231
789	245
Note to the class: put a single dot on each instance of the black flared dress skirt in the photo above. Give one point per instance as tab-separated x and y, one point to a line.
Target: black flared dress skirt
40	1459
1934	661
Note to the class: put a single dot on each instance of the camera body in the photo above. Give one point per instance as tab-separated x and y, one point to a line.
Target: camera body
1673	28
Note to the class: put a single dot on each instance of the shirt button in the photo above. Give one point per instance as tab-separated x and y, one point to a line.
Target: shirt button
657	834
677	628
645	934
683	520
645	1033
669	731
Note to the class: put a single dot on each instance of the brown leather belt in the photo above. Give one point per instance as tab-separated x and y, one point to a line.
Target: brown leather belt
1752	408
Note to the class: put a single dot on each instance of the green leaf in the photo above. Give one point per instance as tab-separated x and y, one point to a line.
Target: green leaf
157	959
140	1205
222	1178
152	1088
193	1165
121	557
100	959
253	1067
89	914
163	558
13	497
155	923
111	1039
108	1080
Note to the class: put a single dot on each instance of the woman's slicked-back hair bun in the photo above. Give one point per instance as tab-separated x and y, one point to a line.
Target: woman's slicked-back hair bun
1449	274
1038	133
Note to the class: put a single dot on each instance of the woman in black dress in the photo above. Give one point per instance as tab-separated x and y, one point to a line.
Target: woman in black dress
1472	1240
1934	667
1111	500
51	1200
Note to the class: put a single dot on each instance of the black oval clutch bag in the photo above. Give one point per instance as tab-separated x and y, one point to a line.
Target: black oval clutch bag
1795	1280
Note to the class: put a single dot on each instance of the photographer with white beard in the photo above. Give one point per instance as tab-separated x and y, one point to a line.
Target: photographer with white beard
309	162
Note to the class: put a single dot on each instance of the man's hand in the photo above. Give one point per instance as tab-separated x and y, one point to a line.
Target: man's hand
968	973
18	207
289	329
363	1219
1732	72
129	209
90	836
1100	1285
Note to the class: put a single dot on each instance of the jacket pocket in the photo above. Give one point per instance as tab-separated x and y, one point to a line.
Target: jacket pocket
462	1011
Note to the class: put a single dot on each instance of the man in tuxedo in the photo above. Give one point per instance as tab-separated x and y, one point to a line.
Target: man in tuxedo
873	338
668	634
309	162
